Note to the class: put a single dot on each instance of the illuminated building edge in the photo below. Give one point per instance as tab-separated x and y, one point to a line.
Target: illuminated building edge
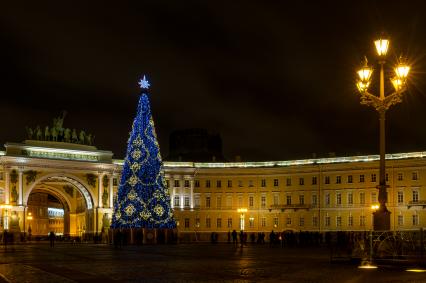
189	201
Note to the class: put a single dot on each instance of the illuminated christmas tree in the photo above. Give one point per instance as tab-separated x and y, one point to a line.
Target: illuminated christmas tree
143	199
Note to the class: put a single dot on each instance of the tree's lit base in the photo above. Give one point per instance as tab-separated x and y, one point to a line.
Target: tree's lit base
140	236
381	219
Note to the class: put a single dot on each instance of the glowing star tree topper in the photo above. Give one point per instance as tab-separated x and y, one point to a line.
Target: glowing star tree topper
143	199
143	83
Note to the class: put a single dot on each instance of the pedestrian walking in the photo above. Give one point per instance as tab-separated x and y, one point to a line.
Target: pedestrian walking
52	239
234	238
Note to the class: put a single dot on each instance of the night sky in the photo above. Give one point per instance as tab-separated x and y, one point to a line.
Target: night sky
276	80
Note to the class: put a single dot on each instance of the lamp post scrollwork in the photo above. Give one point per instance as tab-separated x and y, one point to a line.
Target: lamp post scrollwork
381	104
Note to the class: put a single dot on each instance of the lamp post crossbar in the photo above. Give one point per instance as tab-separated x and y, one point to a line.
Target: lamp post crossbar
381	104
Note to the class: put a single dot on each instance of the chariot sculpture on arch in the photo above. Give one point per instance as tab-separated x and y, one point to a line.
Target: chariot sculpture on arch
58	133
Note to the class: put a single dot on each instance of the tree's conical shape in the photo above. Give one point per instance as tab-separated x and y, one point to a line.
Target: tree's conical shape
143	199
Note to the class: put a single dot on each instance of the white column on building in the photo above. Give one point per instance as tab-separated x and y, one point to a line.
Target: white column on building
20	187
172	191
182	192
191	199
7	188
100	176
111	191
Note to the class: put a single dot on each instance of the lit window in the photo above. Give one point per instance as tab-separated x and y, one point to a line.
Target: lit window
350	179
327	221
229	222
415	176
240	201
288	200
186	183
219	223
218	202
350	221
302	199
263	201
276	199
338	221
415	196
208	202
229	201
361	178
275	222
338	179
338	198
301	221
315	221
177	201
350	198
314	200
187	201
263	183
327	180
415	220
400	197
251	201
251	222
362	198
362	220
263	222
275	182
373	197
327	199
400	220
400	177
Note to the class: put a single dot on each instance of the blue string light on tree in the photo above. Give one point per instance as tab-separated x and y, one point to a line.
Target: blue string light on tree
143	199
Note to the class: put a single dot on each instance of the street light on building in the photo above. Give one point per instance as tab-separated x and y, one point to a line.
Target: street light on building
242	212
381	104
29	218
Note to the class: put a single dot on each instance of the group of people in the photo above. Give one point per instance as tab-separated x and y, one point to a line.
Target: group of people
289	238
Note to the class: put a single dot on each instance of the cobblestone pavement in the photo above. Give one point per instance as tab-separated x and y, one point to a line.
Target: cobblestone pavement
185	263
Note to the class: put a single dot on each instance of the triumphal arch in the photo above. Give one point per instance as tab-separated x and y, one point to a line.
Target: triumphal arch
75	177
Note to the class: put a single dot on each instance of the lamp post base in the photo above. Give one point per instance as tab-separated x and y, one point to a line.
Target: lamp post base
381	219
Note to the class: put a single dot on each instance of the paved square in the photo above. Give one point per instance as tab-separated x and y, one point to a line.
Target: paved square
185	263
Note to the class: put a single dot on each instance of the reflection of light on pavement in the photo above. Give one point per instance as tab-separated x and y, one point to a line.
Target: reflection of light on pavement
367	266
416	270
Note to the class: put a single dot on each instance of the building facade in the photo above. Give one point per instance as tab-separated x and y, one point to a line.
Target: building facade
324	194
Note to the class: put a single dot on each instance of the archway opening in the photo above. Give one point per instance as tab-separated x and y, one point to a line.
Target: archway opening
58	204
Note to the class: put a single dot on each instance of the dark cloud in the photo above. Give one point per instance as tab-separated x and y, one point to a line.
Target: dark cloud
276	80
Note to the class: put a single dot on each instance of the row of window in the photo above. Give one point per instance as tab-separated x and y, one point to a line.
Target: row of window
314	181
288	221
289	199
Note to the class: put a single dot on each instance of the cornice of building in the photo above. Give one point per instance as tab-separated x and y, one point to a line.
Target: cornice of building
289	163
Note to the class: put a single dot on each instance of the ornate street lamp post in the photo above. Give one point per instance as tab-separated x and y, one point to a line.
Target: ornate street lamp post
381	104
